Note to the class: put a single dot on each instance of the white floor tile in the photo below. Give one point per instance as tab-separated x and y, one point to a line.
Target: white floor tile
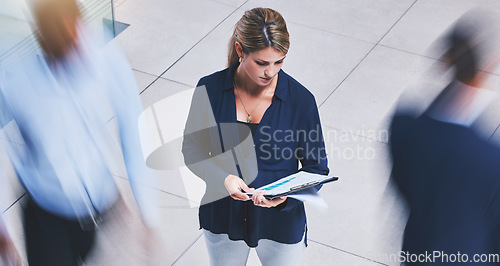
209	56
233	3
143	80
317	59
321	60
161	89
429	19
160	32
354	220
359	19
195	255
121	241
366	97
318	254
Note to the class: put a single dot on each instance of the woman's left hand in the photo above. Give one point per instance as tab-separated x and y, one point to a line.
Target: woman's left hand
259	200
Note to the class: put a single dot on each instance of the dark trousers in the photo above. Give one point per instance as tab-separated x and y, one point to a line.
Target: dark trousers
52	240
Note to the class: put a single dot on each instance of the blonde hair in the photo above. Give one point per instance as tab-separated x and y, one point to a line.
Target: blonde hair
257	29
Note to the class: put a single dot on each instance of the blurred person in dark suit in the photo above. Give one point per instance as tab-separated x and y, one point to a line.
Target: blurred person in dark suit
55	107
448	175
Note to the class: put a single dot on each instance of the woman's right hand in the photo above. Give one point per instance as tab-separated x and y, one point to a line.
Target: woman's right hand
236	186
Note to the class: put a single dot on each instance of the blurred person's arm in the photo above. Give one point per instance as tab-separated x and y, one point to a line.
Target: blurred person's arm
5	111
8	252
123	95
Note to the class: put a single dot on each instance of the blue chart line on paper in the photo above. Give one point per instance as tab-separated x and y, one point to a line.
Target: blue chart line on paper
293	183
278	184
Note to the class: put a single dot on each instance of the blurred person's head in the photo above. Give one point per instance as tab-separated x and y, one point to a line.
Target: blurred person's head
467	44
56	25
259	44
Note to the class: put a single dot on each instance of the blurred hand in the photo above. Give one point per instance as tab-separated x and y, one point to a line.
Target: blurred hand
151	241
259	200
235	186
8	252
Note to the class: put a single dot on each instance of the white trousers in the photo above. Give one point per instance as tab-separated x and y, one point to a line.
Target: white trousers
224	251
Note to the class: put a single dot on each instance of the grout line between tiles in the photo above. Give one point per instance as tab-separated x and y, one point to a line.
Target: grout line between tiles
187	249
347	76
175	81
122	177
175	207
157	189
178	82
347	252
357	65
430	57
323	30
119	4
409	52
397	21
491	137
192	47
140	71
330	32
24	194
222	3
157	124
11	141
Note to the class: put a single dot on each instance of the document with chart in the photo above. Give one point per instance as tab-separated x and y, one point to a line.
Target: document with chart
294	183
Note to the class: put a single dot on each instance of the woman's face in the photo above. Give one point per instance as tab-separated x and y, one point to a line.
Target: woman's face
263	65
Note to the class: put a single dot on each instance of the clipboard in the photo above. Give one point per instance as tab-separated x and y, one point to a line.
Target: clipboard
293	183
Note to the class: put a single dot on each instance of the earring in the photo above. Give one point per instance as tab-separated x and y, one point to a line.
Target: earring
240	60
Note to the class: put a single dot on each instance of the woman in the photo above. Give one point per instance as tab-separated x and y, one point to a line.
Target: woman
283	118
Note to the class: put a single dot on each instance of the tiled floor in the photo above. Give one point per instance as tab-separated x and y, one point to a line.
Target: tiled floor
356	56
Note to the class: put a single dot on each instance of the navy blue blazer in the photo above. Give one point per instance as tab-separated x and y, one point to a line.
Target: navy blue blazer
281	141
450	179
